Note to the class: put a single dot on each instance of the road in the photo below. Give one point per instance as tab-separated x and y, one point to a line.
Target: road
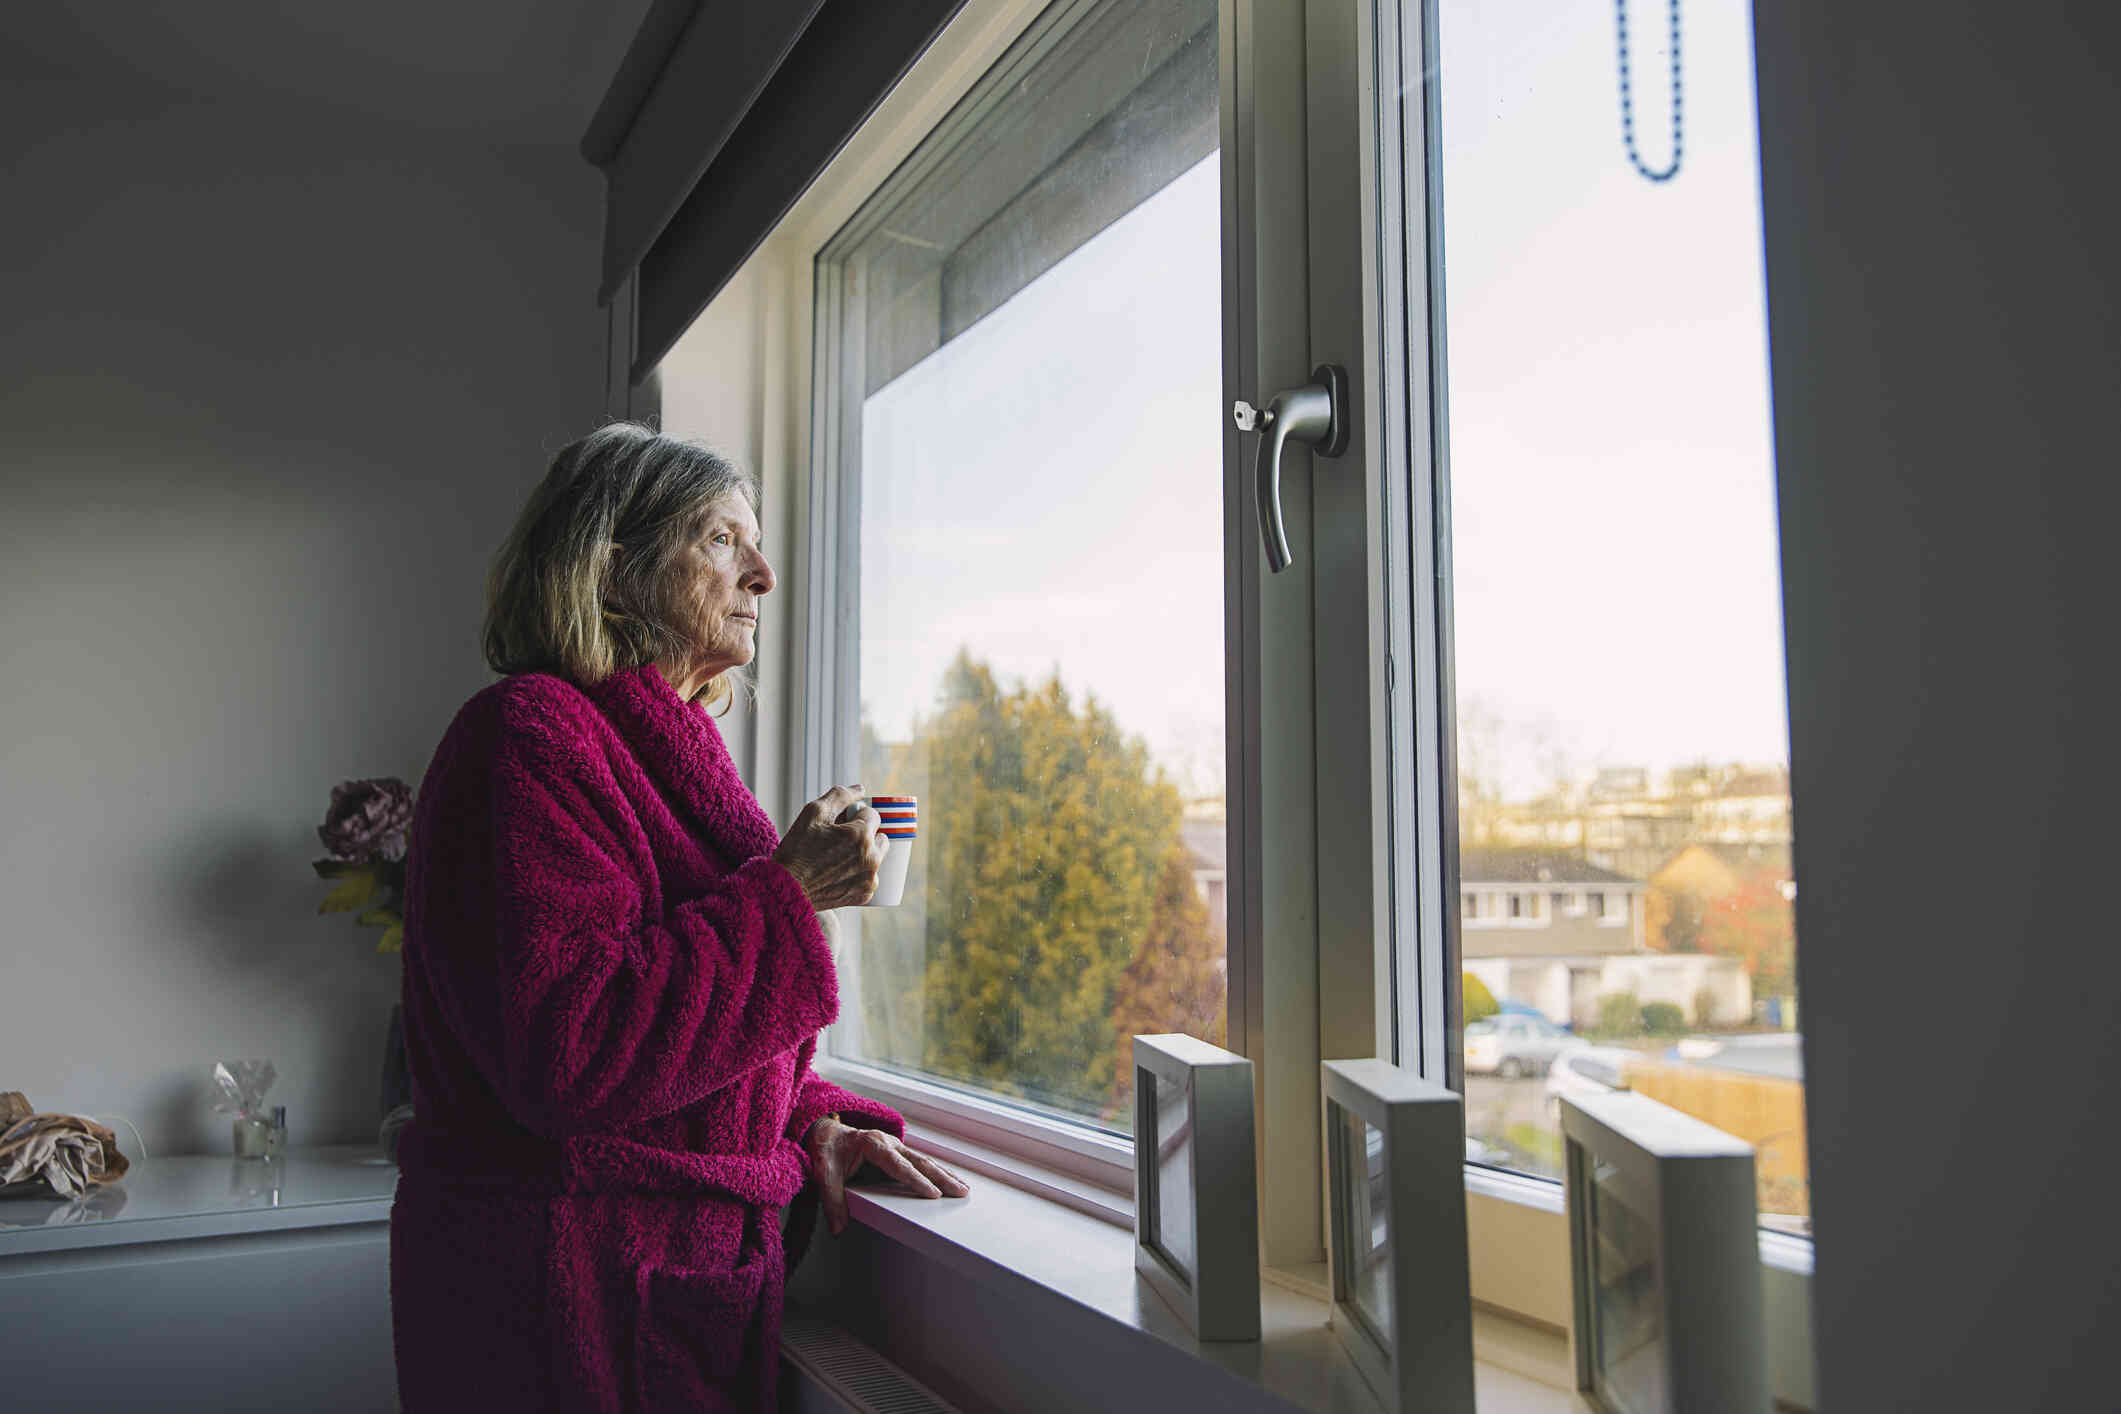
1776	1054
1494	1105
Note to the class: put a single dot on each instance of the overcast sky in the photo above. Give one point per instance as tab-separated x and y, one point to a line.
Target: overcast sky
1045	489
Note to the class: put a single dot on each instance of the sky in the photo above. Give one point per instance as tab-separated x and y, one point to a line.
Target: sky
1045	489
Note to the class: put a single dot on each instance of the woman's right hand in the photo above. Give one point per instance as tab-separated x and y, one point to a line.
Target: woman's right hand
834	859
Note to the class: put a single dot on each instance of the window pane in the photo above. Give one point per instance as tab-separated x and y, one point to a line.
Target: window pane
1366	1255
1626	1298
1171	1216
1028	378
1616	596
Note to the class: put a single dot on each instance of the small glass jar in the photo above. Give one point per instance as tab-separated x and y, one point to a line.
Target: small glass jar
253	1133
276	1137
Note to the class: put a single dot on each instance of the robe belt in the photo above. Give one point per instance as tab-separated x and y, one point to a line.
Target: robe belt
597	1163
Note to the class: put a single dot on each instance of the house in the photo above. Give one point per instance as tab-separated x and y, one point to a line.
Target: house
1206	837
1530	902
1715	868
1550	929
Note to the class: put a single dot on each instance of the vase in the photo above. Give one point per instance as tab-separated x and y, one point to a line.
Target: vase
252	1133
397	1075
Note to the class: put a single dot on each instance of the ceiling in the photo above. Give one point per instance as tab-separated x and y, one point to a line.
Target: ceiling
513	71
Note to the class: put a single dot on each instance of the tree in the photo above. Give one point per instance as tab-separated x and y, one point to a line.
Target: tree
1480	768
1176	981
1675	913
1656	918
1705	1007
1056	904
1753	924
1479	1003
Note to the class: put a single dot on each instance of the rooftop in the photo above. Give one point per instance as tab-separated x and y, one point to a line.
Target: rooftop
1532	866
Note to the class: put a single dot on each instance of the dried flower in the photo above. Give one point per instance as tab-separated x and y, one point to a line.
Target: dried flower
368	820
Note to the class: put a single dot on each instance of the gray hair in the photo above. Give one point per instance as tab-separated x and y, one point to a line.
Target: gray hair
586	583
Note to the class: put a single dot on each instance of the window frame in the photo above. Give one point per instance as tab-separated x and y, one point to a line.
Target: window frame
1413	947
1309	971
825	746
1400	147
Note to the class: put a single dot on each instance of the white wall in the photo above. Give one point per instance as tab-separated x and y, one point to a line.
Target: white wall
714	385
1943	237
271	390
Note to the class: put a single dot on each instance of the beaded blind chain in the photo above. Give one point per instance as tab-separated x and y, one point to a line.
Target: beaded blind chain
1627	106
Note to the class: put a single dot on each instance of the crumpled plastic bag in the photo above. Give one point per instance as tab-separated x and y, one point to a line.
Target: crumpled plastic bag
53	1155
242	1085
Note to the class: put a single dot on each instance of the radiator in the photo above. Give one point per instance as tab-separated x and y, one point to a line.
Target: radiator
833	1372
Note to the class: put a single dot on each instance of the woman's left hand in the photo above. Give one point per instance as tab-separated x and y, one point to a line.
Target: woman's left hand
837	1150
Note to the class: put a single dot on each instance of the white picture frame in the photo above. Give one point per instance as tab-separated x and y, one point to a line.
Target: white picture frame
1196	1206
1396	1249
1667	1204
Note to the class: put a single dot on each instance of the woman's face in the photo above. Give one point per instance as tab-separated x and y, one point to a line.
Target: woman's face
725	573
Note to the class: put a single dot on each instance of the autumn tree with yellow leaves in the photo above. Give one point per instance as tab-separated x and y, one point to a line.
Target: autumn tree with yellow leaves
1053	912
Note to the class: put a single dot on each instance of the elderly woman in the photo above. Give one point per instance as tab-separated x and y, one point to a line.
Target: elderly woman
615	973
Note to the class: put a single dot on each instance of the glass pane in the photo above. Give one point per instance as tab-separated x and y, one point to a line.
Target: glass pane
1616	592
1028	368
1367	1255
1629	1342
1171	1220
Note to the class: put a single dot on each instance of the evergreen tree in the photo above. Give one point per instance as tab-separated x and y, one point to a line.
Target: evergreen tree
1056	914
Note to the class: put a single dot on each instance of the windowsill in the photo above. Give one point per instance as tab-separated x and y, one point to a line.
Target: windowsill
1035	1251
1046	1236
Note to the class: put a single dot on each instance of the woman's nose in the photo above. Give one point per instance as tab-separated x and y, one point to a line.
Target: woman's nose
758	577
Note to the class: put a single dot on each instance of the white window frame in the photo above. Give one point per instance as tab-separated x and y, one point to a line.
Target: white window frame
821	748
1405	334
1308	976
1338	980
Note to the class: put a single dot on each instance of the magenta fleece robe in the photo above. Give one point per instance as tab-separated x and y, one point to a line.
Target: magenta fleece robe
612	999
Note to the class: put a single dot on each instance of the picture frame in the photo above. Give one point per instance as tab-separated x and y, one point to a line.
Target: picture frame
1664	1259
1196	1207
1396	1251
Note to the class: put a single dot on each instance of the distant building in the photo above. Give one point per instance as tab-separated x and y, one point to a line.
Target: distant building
1207	844
1750	808
1620	783
1714	869
1552	930
1621	822
1533	902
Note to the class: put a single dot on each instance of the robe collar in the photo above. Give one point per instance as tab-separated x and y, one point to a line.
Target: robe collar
680	746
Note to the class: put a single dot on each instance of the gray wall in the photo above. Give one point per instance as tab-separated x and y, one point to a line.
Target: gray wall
1942	239
272	387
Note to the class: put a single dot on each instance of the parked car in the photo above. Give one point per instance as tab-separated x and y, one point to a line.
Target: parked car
1514	1044
1585	1069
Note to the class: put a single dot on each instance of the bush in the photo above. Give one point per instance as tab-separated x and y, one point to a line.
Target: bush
1480	1003
1663	1018
1620	1014
1705	1007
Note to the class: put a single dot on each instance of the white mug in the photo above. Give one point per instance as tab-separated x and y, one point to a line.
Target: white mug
900	814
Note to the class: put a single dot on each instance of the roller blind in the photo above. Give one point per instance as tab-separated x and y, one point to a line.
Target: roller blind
721	114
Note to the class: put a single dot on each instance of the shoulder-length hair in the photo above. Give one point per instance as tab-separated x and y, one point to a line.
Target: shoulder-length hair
586	585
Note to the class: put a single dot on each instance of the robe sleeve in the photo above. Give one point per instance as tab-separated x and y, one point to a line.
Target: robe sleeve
609	1018
819	1097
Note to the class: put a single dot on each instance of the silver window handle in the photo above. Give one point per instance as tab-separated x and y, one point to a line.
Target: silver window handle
1316	413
